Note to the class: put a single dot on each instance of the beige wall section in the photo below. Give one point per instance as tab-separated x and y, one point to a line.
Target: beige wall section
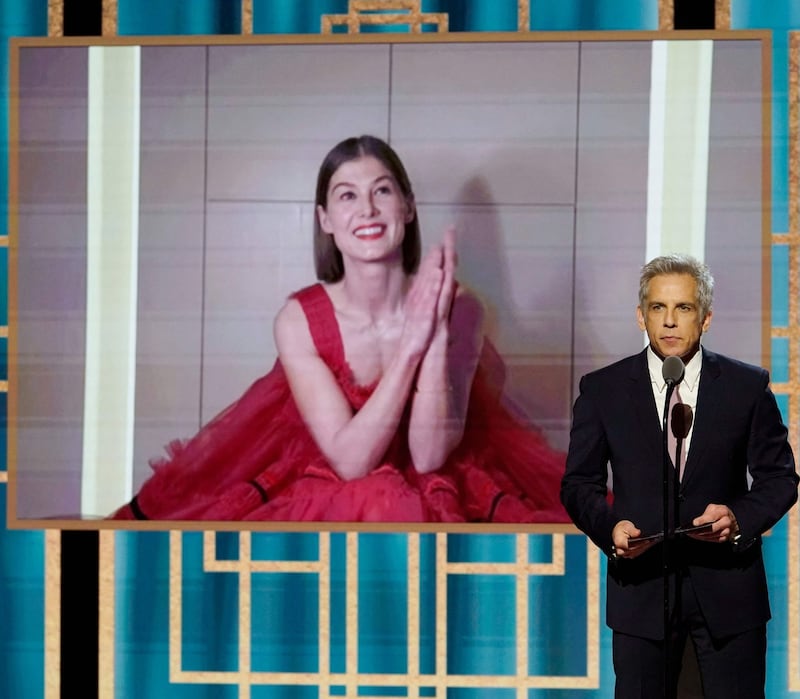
49	324
258	254
737	202
274	111
491	124
171	250
488	134
611	212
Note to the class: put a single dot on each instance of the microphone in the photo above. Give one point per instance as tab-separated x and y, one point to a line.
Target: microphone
681	421
672	370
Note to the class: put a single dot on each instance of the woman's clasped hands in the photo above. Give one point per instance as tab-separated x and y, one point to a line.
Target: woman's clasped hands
430	298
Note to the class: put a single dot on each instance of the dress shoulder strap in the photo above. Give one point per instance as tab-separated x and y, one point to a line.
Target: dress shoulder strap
322	324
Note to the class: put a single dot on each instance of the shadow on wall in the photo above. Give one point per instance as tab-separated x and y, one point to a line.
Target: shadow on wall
518	270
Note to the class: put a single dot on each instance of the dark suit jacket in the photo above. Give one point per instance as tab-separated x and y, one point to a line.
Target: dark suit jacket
738	426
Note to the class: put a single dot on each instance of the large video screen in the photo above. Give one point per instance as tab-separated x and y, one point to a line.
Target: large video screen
162	214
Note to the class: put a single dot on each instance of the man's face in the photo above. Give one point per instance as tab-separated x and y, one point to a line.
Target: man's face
671	316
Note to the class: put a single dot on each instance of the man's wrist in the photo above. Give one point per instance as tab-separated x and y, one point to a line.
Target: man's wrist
737	539
736	531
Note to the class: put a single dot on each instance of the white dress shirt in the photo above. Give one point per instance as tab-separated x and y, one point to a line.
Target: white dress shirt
687	389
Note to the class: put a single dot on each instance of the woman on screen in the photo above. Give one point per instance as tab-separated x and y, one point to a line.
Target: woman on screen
385	403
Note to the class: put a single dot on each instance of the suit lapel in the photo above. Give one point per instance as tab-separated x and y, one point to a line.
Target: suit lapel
707	397
640	392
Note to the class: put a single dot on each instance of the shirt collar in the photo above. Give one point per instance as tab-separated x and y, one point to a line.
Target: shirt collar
691	374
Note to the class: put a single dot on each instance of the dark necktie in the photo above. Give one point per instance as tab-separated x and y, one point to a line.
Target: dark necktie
679	423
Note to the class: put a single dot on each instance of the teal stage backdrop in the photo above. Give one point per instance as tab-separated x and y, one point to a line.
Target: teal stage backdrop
307	615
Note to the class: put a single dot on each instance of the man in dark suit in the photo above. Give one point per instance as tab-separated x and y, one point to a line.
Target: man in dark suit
717	584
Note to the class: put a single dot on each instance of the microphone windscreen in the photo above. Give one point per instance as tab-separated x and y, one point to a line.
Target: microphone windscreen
672	370
681	421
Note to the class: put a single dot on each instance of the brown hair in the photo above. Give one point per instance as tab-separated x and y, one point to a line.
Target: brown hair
327	258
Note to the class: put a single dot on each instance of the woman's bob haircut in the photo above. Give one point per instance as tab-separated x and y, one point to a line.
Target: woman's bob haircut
327	258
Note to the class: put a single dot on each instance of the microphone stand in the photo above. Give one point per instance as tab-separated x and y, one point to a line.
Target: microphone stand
672	371
668	535
680	423
676	484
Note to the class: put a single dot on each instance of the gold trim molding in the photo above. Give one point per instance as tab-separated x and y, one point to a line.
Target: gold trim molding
384	13
52	614
792	333
247	17
722	14
523	15
666	15
106	613
110	20
354	681
55	18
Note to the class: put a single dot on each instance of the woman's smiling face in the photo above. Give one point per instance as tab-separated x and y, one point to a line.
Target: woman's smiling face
366	211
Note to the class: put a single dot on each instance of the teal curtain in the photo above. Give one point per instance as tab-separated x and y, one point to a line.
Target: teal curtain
21	552
585	15
21	610
481	633
148	17
780	18
287	17
16	19
290	17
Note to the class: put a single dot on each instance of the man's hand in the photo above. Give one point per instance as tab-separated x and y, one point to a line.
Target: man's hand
623	532
724	526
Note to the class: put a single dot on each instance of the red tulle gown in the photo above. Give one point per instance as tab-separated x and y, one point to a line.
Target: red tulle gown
257	461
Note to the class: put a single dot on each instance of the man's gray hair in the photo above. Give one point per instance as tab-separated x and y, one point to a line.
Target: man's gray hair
678	263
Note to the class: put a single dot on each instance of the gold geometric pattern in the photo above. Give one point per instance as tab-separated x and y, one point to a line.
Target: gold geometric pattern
110	19
792	333
384	12
523	15
722	14
52	614
55	17
247	17
106	618
355	683
666	15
